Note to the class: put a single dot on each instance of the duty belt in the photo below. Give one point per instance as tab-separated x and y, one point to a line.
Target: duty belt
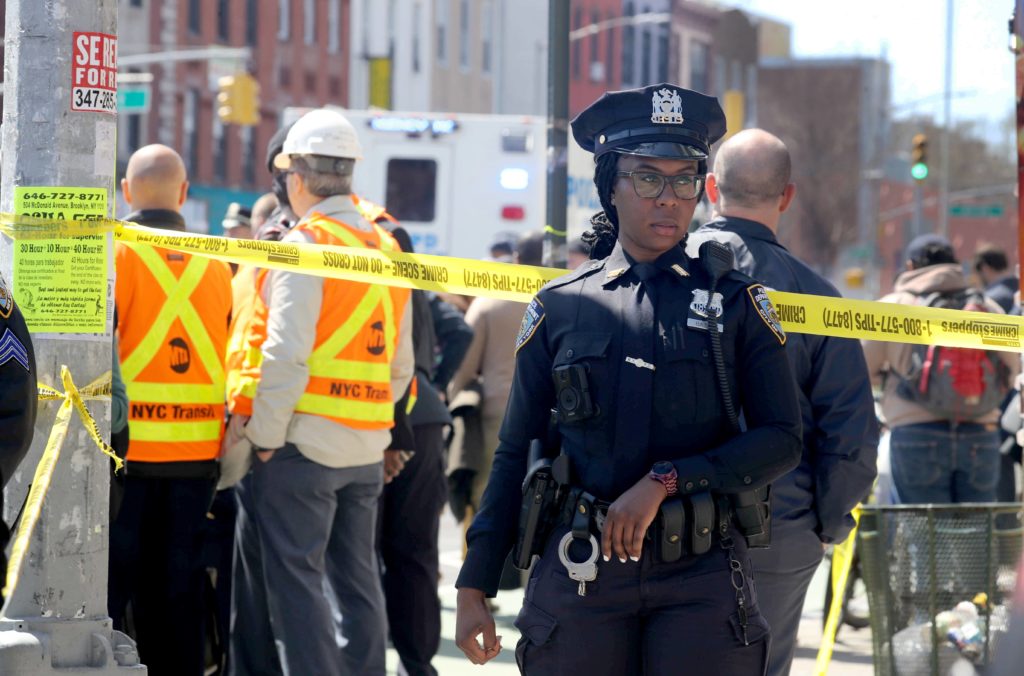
685	525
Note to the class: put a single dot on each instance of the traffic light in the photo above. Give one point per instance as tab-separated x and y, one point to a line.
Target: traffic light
919	157
238	101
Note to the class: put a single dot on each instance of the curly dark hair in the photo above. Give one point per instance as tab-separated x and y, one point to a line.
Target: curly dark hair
604	224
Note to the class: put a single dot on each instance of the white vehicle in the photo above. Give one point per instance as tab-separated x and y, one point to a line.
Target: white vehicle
455	181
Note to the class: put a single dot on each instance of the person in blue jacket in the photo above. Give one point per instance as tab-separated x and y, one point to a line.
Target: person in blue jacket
648	357
750	188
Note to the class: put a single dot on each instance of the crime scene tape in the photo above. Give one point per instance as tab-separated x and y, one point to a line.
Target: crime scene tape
798	313
842	563
74	398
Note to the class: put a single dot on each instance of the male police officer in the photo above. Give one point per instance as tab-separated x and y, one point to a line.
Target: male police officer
648	357
811	506
17	399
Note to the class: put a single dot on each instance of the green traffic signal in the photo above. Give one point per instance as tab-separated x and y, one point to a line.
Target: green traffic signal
919	171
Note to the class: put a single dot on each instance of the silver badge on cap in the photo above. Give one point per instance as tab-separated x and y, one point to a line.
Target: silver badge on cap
667	107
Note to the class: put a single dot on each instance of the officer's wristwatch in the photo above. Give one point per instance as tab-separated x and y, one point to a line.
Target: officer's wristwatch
665	472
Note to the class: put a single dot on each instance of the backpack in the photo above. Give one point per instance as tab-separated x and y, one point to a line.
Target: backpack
955	383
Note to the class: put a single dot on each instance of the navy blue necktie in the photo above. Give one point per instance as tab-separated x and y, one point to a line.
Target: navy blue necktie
637	368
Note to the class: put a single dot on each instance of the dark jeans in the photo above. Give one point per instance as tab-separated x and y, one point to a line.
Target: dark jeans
936	463
641	618
155	562
409	521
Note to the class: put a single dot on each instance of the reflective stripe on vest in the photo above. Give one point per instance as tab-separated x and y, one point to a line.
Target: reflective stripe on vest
349	391
160	412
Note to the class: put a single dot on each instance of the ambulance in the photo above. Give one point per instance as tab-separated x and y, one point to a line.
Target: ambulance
455	181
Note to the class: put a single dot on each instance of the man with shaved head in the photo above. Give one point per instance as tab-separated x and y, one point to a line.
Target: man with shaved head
750	188
172	319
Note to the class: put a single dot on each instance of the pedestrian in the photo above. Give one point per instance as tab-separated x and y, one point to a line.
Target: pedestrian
944	445
173	311
993	271
324	361
17	401
488	367
750	189
412	501
237	222
647	356
262	209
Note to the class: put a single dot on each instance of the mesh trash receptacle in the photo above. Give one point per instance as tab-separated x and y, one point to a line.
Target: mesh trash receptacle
919	562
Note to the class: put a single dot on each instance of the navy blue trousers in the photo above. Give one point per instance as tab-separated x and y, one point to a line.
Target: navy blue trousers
644	618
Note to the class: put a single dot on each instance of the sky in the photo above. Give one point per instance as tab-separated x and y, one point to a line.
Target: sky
911	34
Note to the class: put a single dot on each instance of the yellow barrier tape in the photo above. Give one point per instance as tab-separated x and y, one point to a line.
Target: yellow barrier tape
842	562
799	313
73	399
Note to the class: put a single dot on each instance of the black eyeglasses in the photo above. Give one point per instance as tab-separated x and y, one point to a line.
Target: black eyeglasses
648	184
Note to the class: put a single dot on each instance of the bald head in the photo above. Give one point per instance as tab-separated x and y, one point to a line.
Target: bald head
752	168
155	179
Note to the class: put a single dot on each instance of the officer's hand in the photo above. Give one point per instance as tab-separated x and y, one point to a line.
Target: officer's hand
628	519
472	618
393	465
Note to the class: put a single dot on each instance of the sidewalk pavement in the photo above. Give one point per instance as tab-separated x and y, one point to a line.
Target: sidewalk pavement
852	655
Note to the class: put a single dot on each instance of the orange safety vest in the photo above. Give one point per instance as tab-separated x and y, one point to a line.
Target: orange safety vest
173	311
356	337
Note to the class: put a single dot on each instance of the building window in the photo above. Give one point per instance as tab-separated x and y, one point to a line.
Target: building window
334	26
247	137
736	75
486	36
442	32
417	17
285	77
609	56
193	16
223	29
464	33
190	130
220	150
645	59
575	57
718	72
251	12
663	54
699	57
135	3
595	47
309	22
284	15
310	84
628	48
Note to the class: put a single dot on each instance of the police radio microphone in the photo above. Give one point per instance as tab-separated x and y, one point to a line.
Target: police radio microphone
716	259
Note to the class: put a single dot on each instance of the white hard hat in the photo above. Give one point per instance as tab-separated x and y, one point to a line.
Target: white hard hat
320	132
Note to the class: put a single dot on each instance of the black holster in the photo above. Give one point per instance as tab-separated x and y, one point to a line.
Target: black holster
537	513
752	513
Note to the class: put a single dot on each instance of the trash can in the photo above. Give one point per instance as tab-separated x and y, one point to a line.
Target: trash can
938	579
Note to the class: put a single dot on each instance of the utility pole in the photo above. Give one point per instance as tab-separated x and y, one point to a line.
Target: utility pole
947	129
558	132
58	154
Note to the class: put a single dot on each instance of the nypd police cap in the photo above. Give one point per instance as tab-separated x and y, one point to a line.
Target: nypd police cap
661	120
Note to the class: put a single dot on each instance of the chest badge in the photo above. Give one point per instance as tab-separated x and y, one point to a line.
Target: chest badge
702	305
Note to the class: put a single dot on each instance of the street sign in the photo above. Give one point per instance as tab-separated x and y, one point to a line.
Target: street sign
976	210
134	99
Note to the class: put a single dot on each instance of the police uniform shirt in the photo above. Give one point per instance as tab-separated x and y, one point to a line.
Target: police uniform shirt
587	318
17	385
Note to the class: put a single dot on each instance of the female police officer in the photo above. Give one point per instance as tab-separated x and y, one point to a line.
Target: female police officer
647	396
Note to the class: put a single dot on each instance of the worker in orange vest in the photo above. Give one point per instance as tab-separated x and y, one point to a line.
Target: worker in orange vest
324	361
172	320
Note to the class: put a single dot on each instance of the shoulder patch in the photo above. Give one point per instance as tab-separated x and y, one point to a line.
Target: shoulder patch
12	348
532	318
6	299
765	310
